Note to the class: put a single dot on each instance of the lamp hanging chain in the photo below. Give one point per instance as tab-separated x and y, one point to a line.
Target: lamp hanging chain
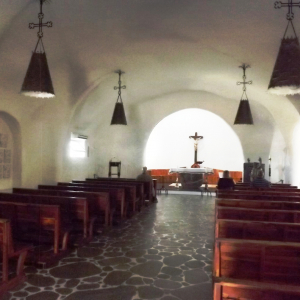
290	14
290	5
290	22
40	25
120	87
244	82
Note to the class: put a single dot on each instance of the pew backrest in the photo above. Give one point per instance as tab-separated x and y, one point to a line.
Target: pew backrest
249	214
276	262
35	217
254	230
258	204
98	203
117	195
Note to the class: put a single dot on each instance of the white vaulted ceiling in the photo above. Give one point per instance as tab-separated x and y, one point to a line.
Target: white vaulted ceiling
176	54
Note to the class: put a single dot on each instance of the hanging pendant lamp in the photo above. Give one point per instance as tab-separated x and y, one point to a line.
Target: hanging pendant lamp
244	115
37	81
285	79
119	117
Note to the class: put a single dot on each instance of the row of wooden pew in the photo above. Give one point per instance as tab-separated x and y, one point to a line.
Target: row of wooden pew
257	244
62	216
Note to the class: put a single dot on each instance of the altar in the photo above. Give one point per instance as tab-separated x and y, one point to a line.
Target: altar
191	178
192	170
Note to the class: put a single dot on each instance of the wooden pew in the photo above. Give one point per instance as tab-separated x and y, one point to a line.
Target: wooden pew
272	189
37	223
254	263
74	210
148	193
276	185
252	230
235	289
99	204
133	201
265	190
141	187
261	196
11	249
256	267
283	186
247	214
259	204
116	195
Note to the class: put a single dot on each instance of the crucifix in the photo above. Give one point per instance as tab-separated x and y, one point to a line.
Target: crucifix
196	139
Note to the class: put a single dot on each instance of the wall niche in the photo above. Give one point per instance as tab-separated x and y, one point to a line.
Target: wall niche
6	156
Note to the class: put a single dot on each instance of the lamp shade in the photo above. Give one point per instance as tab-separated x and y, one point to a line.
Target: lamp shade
119	117
243	115
37	82
285	78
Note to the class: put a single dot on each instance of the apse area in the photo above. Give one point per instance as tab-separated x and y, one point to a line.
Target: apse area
169	145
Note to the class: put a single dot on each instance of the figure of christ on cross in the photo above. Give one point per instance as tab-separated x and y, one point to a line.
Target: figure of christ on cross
196	139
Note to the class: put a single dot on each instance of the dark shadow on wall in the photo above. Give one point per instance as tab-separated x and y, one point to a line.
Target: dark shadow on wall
15	129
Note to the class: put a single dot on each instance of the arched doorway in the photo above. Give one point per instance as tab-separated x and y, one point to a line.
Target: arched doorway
169	144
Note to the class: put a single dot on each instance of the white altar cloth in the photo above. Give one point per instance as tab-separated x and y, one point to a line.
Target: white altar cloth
192	170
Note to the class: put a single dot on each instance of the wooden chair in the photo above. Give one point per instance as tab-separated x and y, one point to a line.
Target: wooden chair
114	164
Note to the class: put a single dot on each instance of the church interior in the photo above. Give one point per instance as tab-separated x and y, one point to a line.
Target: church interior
88	84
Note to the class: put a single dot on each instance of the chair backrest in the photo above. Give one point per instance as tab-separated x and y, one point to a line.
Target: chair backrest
116	164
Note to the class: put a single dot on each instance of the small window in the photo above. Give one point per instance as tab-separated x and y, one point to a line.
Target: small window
78	147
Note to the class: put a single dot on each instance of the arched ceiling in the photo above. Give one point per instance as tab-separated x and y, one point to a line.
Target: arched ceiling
163	46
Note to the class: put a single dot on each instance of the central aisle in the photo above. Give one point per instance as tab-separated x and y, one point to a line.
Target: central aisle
164	252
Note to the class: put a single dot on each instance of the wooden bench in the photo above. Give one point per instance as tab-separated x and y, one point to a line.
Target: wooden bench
260	196
11	249
257	261
148	193
99	204
116	195
253	230
235	289
74	210
271	191
247	214
257	245
134	203
277	185
37	223
140	186
259	204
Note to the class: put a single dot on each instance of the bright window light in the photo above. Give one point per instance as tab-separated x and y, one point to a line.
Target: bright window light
169	145
78	148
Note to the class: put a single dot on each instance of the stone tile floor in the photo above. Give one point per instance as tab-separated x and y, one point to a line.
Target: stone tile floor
164	252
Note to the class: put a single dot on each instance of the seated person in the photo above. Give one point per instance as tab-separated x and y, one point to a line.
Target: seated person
147	178
226	183
259	181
